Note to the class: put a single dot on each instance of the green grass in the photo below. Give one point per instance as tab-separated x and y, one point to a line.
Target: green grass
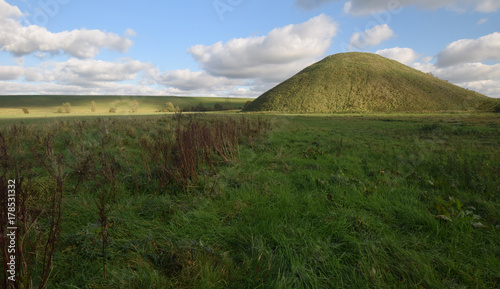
46	105
327	201
364	82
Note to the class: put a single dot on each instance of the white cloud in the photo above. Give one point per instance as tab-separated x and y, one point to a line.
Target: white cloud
274	56
461	64
477	76
187	80
82	72
7	11
490	88
465	72
371	37
10	72
470	50
404	55
34	74
24	40
85	73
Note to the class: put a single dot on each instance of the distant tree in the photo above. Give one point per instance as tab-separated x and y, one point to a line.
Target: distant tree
93	106
134	106
67	107
218	106
112	110
169	107
200	107
59	109
25	110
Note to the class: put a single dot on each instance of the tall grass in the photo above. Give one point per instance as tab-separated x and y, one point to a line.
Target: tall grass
186	201
67	159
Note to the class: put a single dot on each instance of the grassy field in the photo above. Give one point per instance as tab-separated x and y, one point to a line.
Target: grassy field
271	201
47	105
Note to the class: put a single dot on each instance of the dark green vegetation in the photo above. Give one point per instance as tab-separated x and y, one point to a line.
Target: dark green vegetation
345	201
364	82
12	105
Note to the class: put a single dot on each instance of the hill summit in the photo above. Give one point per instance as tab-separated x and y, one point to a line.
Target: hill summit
365	82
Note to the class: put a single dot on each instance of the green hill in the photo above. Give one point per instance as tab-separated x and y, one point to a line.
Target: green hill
364	82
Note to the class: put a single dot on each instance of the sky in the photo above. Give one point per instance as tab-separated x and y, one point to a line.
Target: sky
234	48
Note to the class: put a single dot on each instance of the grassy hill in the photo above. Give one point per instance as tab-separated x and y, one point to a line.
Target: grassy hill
11	105
364	82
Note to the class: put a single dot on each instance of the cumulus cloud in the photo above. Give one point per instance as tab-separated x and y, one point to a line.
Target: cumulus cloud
464	72
371	37
24	40
86	71
82	72
484	78
404	55
490	88
363	7
10	72
187	80
480	77
471	50
273	56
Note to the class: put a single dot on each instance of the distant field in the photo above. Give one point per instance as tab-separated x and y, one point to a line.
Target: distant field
47	105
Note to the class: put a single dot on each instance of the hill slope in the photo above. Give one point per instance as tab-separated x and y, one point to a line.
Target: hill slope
364	82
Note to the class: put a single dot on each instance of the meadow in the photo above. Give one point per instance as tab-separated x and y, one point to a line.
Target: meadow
255	200
11	106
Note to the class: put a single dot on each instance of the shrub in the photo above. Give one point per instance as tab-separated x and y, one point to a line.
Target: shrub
67	107
112	110
93	106
169	107
25	110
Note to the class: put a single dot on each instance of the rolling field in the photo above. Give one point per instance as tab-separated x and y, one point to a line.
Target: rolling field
47	105
257	200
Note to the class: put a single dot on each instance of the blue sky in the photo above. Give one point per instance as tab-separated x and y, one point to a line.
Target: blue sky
231	48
